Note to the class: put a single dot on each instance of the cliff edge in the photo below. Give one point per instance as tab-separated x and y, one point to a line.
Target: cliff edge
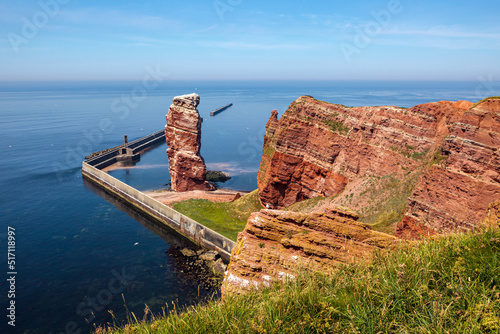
428	169
275	244
411	173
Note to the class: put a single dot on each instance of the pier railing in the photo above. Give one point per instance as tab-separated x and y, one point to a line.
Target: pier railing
106	158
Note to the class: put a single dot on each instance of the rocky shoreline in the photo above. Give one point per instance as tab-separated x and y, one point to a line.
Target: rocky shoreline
204	266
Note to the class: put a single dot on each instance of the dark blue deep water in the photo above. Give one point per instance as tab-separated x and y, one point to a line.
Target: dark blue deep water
80	253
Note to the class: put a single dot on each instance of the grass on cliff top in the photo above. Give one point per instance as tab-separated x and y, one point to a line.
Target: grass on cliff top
381	204
225	218
309	205
386	200
483	100
447	285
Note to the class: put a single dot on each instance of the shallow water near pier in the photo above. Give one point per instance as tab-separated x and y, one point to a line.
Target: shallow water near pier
81	253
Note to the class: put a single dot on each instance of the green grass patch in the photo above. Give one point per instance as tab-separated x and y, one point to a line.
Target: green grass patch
409	151
337	126
335	104
308	204
438	158
225	218
268	152
419	155
381	204
447	285
386	199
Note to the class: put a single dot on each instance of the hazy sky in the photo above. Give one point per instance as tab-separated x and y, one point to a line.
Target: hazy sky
250	39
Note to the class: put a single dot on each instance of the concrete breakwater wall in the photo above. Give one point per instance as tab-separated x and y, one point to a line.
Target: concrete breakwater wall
106	158
221	109
188	227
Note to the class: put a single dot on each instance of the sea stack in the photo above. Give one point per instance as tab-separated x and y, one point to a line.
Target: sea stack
183	135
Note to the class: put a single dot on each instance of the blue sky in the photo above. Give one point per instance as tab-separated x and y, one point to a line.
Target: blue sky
244	39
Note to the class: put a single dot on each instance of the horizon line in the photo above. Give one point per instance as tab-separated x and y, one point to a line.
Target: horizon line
239	80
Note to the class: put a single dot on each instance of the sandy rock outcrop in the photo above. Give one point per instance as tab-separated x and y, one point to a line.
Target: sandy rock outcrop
183	135
276	243
493	215
433	168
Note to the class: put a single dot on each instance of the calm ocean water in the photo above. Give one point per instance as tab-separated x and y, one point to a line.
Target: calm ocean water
77	250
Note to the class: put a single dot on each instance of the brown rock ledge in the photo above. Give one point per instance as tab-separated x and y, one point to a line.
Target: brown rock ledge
276	243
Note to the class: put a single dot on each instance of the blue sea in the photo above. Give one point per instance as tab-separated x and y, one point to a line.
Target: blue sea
81	257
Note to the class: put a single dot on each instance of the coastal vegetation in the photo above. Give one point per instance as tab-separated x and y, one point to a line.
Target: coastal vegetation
226	218
381	204
447	284
438	158
386	199
337	126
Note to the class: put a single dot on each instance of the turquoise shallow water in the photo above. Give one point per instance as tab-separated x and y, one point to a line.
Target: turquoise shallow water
78	251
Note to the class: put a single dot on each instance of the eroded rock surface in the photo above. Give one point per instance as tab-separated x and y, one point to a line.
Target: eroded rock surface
183	135
456	193
276	243
433	168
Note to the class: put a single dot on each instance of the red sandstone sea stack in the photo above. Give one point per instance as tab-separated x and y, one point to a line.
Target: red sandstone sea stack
183	135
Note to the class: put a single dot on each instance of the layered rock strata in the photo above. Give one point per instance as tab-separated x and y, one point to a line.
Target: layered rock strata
456	193
276	243
433	168
183	135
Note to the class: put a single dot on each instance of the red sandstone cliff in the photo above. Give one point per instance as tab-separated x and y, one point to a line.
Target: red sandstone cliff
183	135
431	168
276	243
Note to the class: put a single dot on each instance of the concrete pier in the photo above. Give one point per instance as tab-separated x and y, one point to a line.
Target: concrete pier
189	228
108	157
